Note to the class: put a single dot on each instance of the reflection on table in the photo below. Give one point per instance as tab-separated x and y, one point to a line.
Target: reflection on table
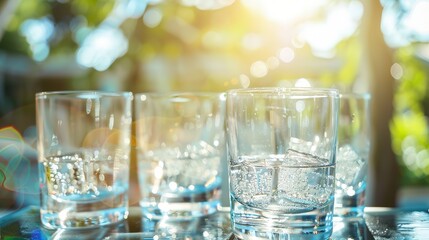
378	223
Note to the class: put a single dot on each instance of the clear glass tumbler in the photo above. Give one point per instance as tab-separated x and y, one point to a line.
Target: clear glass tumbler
353	154
180	140
84	154
281	149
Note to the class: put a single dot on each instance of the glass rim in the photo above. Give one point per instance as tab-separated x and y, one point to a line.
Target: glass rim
357	95
174	93
167	95
301	91
84	93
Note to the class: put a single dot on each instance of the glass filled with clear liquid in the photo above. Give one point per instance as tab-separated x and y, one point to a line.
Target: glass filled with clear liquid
180	139
84	154
352	155
281	152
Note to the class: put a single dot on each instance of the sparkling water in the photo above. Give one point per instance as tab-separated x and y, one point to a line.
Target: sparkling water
282	196
350	182
83	190
180	183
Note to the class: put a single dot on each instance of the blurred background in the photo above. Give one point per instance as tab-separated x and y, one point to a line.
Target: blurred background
380	47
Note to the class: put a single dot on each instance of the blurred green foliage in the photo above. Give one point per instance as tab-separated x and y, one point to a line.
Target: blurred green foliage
199	50
409	126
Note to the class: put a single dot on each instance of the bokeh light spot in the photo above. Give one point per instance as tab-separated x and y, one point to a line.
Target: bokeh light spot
244	81
418	18
287	55
38	32
273	63
259	69
302	82
152	17
40	51
102	47
396	71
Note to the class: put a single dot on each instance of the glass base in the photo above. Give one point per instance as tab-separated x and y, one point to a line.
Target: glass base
349	206
184	207
250	232
250	223
179	210
81	220
69	214
351	229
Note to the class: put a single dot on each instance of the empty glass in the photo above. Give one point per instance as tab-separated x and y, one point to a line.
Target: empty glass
281	151
84	154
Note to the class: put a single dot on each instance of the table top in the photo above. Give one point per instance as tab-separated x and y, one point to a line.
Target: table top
378	223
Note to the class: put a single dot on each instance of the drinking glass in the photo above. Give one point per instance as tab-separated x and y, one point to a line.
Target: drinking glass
352	155
180	139
84	154
281	146
356	230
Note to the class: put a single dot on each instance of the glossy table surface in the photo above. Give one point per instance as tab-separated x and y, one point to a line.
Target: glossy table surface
378	223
